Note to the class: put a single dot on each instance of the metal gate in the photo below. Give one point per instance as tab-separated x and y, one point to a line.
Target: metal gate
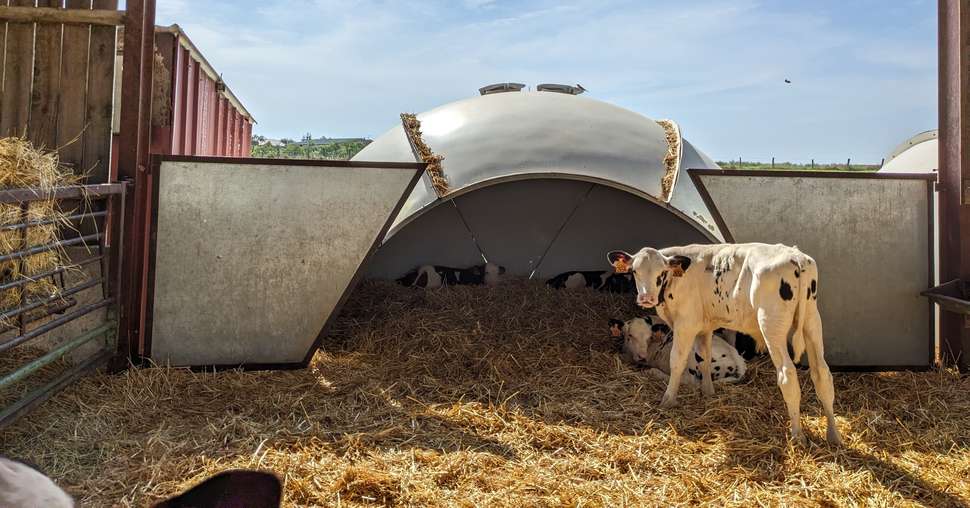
46	342
871	234
250	258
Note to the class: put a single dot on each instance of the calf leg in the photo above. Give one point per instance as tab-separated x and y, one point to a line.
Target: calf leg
707	383
680	351
821	375
775	332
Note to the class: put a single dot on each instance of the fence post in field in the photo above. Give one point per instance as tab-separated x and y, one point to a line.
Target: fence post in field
772	163
847	163
813	163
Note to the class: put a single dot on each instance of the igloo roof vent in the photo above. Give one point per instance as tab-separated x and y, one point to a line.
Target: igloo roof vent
566	89
501	87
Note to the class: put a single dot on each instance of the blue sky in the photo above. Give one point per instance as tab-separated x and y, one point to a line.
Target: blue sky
863	72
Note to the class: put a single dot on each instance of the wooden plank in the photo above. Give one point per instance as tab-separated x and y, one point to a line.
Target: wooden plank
18	69
50	15
45	90
73	90
101	66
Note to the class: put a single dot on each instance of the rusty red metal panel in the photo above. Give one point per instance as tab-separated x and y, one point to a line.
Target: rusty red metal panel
182	127
237	136
230	134
247	139
220	125
954	172
132	165
213	118
162	132
191	106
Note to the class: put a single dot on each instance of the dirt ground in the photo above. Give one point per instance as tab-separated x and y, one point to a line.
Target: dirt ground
505	397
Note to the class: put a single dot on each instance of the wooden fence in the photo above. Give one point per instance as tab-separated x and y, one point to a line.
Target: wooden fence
58	59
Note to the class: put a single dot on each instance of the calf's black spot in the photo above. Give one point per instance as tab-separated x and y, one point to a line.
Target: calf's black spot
717	367
698	358
785	290
814	287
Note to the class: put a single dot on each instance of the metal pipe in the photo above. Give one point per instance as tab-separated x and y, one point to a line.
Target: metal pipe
98	191
54	354
50	246
51	325
32	399
14	227
49	273
27	307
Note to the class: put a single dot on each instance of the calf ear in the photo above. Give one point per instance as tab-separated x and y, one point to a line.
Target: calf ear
620	261
253	489
678	265
616	328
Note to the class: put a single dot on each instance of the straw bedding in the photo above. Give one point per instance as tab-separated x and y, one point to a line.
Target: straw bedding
671	157
511	396
412	127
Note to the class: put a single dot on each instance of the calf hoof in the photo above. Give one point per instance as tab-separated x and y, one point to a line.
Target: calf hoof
799	439
668	402
833	437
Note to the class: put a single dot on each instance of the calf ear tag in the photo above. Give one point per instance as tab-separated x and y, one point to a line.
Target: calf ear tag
620	261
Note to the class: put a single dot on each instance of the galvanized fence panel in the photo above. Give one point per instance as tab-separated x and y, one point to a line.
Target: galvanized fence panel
47	341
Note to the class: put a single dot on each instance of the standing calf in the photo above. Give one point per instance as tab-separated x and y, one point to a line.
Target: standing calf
767	291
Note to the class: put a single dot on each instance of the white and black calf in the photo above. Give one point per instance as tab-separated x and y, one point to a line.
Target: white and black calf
23	486
649	344
601	280
435	276
767	291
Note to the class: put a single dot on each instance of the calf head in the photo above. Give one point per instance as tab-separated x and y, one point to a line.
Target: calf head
652	271
493	273
636	335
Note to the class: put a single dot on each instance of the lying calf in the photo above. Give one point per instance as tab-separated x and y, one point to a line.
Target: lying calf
22	485
601	280
744	343
434	276
650	345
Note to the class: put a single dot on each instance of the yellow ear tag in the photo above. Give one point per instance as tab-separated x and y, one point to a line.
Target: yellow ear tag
621	266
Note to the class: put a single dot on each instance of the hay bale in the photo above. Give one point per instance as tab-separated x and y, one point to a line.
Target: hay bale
24	166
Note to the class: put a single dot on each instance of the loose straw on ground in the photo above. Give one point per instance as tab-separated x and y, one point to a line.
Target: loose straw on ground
507	396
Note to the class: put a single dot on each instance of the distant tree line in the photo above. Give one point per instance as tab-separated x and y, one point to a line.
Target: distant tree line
307	148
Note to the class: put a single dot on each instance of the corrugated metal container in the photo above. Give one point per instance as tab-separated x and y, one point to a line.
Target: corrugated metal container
193	111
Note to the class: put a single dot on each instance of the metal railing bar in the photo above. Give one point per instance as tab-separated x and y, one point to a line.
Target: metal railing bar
47	247
7	314
24	225
38	396
50	273
51	325
98	191
55	354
